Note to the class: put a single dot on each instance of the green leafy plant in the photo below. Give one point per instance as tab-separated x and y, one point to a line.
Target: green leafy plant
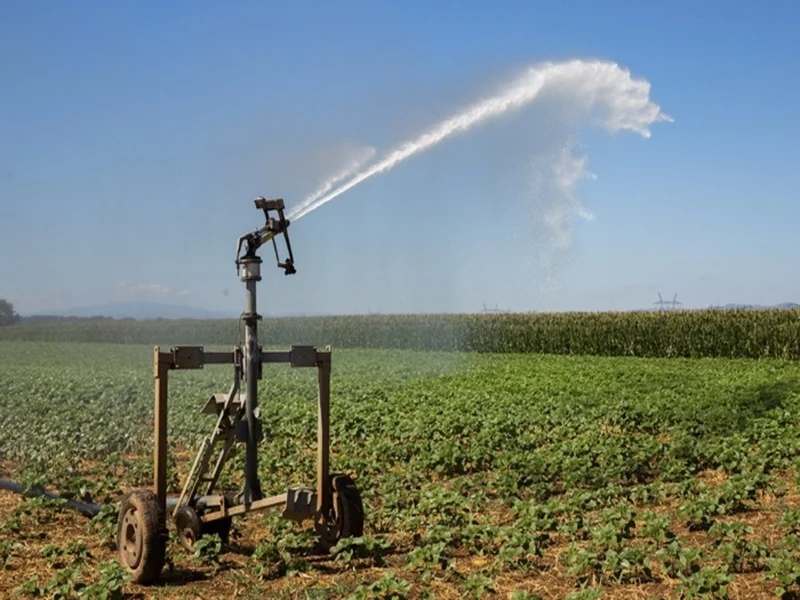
208	549
586	594
365	547
584	564
707	582
53	554
477	584
522	595
784	569
109	585
104	524
679	560
63	585
791	520
269	561
657	527
627	565
8	550
388	587
738	551
699	514
429	555
31	587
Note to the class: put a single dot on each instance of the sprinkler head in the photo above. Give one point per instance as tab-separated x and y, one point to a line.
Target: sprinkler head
273	228
288	267
276	226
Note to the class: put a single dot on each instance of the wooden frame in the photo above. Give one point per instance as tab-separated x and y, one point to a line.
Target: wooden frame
195	357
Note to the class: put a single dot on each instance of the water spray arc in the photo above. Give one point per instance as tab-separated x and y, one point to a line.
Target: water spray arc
598	91
350	169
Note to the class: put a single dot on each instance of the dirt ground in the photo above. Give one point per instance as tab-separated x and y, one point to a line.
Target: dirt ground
184	577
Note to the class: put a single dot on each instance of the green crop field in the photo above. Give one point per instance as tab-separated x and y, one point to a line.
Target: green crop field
773	333
483	475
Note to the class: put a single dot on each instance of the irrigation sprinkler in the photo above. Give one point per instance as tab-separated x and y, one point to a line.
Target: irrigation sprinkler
334	504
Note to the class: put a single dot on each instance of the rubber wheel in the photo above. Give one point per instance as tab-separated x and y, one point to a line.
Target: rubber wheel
187	526
347	519
142	536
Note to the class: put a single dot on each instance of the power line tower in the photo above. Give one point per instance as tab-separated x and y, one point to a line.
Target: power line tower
668	304
496	309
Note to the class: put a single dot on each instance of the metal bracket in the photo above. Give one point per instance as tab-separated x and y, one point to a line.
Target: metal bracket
272	228
303	356
267	205
301	503
188	357
240	430
217	403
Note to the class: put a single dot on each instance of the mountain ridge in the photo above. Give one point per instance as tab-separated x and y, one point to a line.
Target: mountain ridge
143	311
135	310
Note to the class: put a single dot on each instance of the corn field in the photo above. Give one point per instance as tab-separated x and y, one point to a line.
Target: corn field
691	334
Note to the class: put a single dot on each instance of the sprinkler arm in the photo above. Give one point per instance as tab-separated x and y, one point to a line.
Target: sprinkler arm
273	228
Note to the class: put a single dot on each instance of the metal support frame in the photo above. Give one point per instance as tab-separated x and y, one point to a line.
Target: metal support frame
323	432
334	503
298	503
161	370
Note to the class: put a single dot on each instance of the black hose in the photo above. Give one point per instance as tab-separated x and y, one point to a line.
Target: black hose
85	508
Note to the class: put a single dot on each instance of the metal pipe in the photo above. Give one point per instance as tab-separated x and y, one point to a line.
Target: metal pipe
161	374
87	509
251	274
323	433
199	503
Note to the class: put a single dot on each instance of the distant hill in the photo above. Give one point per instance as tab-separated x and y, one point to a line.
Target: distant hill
148	311
788	305
135	310
145	311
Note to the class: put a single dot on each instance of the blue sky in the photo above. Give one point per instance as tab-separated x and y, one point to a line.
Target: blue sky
134	136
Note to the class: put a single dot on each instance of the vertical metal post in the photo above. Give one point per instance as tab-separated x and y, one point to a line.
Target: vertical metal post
251	274
160	372
323	432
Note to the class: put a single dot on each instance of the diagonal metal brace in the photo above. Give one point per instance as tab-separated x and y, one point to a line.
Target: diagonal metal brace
223	430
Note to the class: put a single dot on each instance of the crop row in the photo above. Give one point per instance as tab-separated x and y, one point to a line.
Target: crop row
478	472
691	334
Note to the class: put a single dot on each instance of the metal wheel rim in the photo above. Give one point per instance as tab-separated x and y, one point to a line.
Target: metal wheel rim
330	525
183	527
132	539
186	536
